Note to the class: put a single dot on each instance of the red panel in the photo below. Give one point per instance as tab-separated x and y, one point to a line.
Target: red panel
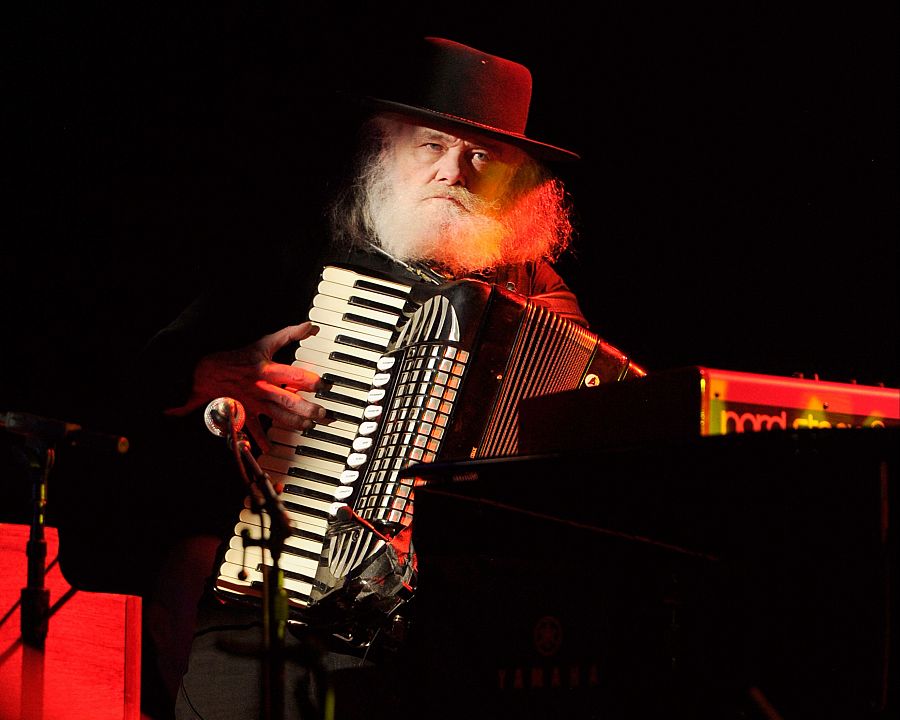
90	664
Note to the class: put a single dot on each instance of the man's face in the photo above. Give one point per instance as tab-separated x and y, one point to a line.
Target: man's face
433	160
435	195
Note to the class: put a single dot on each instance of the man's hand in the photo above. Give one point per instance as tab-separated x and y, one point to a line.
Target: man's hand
262	386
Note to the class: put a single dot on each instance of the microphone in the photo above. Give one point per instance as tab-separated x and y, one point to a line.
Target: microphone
52	430
223	415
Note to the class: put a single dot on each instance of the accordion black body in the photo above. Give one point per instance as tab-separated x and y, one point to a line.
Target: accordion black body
417	374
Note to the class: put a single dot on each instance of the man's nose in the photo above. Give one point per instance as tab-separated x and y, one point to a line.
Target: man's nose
451	170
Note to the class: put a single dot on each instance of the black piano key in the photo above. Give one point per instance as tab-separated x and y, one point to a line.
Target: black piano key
307	535
307	493
303	598
352	360
342	381
304	509
351	341
320	454
371	305
262	569
328	437
300	552
383	289
337	415
363	320
341	398
305	474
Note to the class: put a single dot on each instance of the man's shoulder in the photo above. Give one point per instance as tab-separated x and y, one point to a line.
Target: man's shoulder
530	278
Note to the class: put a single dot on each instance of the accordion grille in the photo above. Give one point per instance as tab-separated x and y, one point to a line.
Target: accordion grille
548	355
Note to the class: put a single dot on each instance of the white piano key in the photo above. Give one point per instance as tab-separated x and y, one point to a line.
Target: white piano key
314	526
339	305
350	277
356	395
345	292
320	363
298	485
281	465
308	504
286	436
327	345
301	567
289	438
329	316
353	411
294	487
331	332
294	543
349	425
272	461
231	571
255	556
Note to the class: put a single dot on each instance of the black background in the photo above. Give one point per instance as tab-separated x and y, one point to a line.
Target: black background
736	198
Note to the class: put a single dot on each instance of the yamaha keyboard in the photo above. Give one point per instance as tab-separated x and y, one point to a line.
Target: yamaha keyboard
695	543
744	575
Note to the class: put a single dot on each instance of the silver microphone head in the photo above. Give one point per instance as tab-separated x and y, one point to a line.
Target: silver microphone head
222	414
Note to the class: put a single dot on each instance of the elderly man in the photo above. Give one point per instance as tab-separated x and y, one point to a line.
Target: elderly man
446	185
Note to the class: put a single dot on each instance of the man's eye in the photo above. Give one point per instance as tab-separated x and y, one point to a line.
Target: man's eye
480	157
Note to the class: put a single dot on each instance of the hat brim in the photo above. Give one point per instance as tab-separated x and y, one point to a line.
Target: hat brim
535	148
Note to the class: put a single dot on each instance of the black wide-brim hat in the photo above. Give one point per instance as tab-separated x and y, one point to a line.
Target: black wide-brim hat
455	85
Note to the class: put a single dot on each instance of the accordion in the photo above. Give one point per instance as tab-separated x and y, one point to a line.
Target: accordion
415	374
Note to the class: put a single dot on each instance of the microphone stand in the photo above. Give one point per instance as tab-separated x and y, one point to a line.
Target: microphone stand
35	597
275	606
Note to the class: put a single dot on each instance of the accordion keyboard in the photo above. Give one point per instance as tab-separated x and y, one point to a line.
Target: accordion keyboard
357	316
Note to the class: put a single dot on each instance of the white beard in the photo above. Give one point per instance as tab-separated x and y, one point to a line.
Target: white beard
464	234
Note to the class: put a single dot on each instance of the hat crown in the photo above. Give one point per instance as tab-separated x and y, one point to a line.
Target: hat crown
460	81
443	81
